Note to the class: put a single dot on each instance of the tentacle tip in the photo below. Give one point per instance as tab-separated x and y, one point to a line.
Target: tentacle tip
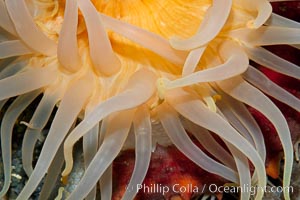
60	193
217	97
177	43
68	165
252	25
162	85
112	68
65	173
156	103
64	179
116	66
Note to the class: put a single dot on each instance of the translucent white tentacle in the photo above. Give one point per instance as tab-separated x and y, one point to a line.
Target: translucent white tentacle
117	132
241	90
147	39
196	111
240	159
26	81
106	183
37	123
90	147
262	7
53	174
103	129
27	30
143	147
267	35
13	68
270	60
262	82
210	144
63	120
264	11
248	122
213	22
277	20
235	122
5	62
90	144
67	50
180	139
13	48
242	164
8	122
192	61
139	89
236	63
99	43
5	21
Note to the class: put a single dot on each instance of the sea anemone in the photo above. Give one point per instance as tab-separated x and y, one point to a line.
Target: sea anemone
116	64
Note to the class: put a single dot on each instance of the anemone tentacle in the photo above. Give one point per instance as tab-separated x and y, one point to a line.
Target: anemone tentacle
183	65
13	68
36	125
270	60
192	60
236	63
67	50
112	144
243	169
263	9
27	81
235	122
65	117
52	174
5	21
95	28
151	41
244	92
212	23
269	35
132	93
13	48
277	20
106	185
258	79
190	108
143	143
179	137
209	143
90	147
27	29
247	120
7	124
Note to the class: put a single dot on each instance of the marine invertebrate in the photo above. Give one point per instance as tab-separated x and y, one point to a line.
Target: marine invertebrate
119	63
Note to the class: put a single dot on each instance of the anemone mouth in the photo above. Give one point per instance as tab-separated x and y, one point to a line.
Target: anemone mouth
113	65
